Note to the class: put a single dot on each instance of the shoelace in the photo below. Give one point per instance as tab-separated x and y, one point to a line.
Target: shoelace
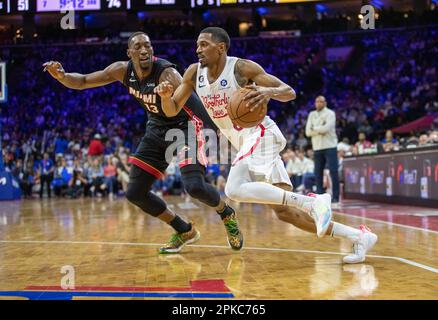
364	228
232	227
175	239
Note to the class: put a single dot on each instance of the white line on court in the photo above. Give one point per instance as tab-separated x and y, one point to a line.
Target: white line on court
406	261
386	222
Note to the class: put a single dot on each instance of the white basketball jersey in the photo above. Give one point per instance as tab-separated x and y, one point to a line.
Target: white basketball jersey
215	97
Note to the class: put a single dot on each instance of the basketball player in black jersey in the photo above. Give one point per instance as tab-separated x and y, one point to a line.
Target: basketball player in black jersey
141	74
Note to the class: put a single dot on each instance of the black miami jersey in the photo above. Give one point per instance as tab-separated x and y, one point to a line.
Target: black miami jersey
143	91
151	152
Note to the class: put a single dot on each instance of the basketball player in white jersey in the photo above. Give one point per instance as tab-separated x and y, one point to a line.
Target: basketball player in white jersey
257	174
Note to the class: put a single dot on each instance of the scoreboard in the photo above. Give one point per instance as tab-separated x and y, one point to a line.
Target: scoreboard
41	6
37	6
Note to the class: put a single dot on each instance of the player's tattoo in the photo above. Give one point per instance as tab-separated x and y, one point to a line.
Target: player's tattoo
241	80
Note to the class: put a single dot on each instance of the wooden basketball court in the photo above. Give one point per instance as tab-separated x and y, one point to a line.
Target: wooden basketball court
112	249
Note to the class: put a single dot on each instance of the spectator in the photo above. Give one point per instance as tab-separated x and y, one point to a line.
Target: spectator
294	169
61	145
45	174
362	144
321	128
365	128
390	143
411	141
345	147
77	183
96	148
308	172
95	177
23	178
171	182
110	176
306	166
433	137
423	141
62	177
286	155
302	141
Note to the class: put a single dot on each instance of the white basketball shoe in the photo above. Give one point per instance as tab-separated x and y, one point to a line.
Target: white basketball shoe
321	212
361	244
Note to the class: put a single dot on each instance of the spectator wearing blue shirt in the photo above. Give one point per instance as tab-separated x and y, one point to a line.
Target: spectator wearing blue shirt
61	145
62	177
45	171
390	143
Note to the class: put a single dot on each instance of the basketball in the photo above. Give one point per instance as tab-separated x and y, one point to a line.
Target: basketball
240	114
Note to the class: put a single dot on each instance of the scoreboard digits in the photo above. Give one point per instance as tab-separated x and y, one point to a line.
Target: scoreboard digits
36	6
58	5
224	3
114	4
16	6
23	5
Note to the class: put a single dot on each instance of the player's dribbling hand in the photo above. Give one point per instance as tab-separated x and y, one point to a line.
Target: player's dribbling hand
55	69
164	89
258	97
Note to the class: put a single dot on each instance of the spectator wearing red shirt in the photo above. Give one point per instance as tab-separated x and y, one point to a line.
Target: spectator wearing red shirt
362	144
96	147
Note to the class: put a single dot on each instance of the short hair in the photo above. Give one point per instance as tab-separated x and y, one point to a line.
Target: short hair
321	96
218	35
134	35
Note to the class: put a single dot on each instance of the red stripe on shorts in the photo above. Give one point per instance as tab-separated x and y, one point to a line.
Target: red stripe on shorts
262	133
199	136
146	167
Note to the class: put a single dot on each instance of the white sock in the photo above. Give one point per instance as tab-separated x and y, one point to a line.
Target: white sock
342	231
298	200
265	193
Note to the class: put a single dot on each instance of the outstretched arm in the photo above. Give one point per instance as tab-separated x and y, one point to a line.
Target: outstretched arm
112	73
265	86
173	77
172	101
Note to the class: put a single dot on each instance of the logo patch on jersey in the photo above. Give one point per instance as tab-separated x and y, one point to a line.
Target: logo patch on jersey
224	83
201	81
132	79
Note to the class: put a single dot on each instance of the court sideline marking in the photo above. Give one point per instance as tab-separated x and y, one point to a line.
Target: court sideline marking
386	222
403	260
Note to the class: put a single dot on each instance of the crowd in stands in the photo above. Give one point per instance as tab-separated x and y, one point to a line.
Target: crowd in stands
78	142
109	28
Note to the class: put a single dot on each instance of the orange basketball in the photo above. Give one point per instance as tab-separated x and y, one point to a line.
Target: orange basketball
240	114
